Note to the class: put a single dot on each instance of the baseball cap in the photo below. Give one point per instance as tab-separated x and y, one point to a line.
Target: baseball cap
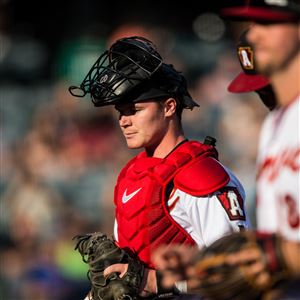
248	80
166	82
264	10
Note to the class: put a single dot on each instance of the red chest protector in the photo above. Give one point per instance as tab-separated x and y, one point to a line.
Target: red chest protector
144	222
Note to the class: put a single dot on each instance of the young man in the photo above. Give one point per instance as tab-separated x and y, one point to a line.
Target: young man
176	190
275	37
277	52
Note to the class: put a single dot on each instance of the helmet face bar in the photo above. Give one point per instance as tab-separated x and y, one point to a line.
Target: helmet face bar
118	70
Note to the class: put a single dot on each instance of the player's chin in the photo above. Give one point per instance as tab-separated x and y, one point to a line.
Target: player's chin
131	144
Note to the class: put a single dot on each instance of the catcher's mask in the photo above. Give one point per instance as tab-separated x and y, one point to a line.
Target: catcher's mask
132	70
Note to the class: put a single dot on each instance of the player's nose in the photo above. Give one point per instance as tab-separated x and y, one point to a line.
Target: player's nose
124	121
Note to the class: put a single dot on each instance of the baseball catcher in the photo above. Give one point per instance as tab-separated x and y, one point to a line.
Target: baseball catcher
175	189
99	252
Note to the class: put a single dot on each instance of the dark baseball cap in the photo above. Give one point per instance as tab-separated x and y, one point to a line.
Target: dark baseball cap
166	82
264	10
248	80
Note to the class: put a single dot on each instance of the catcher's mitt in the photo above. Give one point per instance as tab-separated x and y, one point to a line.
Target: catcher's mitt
240	266
99	252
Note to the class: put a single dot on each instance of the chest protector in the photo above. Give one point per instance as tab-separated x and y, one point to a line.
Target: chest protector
143	219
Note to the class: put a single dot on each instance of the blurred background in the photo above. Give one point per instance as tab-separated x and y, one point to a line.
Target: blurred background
60	156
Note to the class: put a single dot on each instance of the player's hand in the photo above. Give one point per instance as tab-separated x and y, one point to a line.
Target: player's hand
120	269
113	273
175	264
148	286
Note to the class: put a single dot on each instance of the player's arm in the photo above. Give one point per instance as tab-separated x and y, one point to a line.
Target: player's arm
207	203
210	217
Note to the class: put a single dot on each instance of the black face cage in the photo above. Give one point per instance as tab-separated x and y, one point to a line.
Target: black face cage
118	70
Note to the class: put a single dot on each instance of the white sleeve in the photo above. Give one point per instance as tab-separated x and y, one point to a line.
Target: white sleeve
207	218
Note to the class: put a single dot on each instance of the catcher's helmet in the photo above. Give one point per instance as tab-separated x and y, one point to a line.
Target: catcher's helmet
132	70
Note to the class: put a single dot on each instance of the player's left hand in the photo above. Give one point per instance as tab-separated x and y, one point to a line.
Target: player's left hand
175	264
113	273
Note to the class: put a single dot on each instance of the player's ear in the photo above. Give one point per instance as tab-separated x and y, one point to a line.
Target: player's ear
170	107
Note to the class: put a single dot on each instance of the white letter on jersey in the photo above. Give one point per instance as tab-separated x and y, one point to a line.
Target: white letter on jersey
235	208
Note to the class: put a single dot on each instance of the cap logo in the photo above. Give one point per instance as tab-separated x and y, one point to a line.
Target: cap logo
277	2
103	78
246	57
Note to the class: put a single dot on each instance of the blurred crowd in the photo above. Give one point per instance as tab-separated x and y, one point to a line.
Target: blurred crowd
60	156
